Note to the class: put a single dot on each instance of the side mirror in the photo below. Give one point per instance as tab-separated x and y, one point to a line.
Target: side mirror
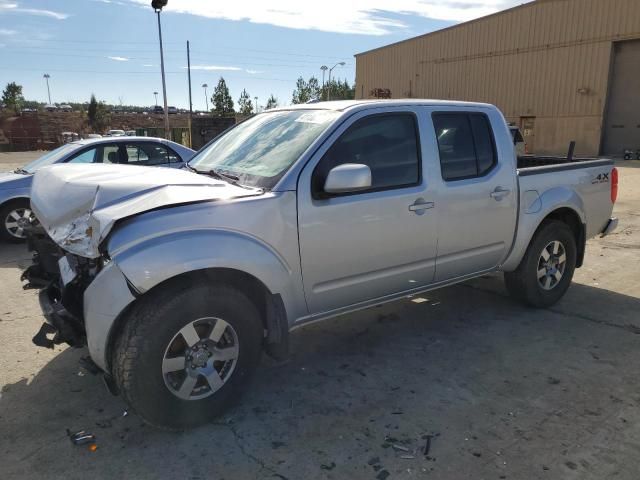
348	177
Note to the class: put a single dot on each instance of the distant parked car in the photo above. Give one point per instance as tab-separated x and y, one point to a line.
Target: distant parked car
93	135
50	108
130	133
15	187
158	109
65	108
172	110
115	133
68	137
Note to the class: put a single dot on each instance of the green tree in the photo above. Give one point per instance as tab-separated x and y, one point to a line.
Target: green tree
340	90
272	102
98	115
92	110
314	89
301	93
221	99
306	90
12	97
245	105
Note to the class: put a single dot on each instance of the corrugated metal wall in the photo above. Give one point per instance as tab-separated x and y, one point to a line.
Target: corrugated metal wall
548	59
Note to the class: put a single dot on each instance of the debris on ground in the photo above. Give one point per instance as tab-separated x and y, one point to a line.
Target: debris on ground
400	448
81	437
427	447
382	475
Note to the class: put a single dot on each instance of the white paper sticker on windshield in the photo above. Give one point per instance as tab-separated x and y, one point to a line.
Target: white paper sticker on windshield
318	117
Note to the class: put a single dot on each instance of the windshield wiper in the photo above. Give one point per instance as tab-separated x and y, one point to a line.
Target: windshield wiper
21	170
232	179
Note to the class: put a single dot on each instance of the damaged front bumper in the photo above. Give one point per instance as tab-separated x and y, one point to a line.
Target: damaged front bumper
60	326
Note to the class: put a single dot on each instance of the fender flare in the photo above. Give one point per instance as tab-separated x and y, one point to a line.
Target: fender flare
538	210
154	260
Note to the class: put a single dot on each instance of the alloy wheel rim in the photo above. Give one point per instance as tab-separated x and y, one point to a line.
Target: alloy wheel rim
200	358
17	220
551	265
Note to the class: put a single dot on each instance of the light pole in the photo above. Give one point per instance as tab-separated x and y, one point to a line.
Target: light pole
324	68
47	77
157	6
206	98
331	70
156	95
256	99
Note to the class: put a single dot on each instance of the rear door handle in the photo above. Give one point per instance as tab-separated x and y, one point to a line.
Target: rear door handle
499	193
419	206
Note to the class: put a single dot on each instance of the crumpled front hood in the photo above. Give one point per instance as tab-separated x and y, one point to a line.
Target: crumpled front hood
78	204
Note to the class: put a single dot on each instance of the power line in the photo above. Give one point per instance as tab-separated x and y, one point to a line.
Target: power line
107	72
104	55
222	46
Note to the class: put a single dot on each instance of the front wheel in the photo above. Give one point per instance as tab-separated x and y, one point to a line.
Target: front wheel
15	217
185	353
546	270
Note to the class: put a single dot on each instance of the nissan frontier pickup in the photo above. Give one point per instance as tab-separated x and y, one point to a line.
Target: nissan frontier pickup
178	281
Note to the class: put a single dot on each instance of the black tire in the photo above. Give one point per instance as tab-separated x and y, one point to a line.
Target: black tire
523	284
149	328
5	210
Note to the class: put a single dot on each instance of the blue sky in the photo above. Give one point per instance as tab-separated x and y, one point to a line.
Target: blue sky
110	47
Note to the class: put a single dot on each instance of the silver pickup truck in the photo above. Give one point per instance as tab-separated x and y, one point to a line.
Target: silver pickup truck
177	281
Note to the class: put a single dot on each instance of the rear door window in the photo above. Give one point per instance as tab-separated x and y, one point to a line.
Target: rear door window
465	145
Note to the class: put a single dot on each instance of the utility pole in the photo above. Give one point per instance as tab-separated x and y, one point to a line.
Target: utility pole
47	77
256	99
324	68
156	95
331	70
190	102
157	6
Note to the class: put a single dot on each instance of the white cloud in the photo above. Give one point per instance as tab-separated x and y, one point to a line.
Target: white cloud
119	59
253	72
214	68
10	7
6	31
368	17
148	65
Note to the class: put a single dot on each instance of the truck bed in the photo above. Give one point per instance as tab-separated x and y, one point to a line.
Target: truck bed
533	165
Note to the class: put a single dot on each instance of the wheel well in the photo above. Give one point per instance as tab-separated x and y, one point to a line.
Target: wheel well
15	200
572	219
269	305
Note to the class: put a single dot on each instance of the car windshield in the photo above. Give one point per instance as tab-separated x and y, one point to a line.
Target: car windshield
49	158
260	150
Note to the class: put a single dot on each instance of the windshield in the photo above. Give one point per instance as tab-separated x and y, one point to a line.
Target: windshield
260	150
49	158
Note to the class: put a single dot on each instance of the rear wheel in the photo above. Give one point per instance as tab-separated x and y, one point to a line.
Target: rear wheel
15	217
546	270
184	356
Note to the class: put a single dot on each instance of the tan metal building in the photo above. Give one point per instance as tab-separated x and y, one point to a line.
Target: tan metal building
560	69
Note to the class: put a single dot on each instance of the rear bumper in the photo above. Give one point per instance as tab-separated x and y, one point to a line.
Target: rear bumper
611	225
60	325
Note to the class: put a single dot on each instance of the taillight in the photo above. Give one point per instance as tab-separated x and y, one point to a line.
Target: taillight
614	185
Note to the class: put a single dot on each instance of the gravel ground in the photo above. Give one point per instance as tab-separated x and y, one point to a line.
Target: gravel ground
498	390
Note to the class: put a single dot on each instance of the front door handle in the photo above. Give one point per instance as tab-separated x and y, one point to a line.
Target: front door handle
419	206
499	193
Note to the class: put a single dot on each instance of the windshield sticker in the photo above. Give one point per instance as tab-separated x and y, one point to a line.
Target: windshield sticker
317	117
